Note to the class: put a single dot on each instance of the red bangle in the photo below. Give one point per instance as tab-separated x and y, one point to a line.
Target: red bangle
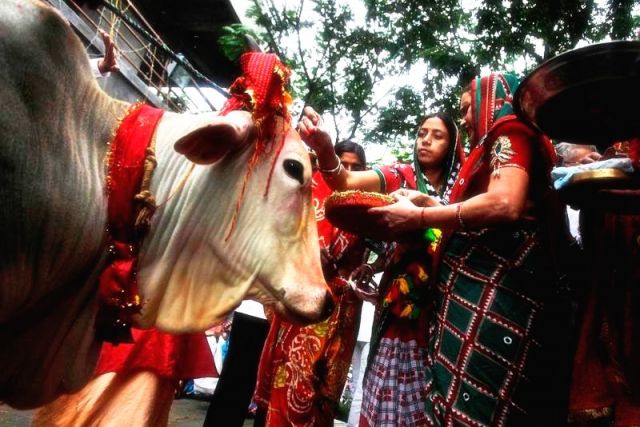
422	217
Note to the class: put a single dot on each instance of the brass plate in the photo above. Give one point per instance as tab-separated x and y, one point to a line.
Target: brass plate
599	175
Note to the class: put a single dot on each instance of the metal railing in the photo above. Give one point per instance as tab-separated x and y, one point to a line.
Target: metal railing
145	59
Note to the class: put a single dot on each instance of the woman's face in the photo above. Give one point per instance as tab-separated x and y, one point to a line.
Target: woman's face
432	144
466	113
351	162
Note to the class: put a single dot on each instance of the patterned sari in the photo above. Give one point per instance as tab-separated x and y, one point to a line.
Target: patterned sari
493	357
303	369
395	383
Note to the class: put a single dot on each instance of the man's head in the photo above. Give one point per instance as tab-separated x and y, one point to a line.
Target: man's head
351	155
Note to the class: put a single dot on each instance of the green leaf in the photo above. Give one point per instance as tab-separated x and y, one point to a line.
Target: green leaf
341	64
233	40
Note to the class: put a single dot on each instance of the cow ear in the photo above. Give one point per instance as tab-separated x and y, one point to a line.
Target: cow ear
213	141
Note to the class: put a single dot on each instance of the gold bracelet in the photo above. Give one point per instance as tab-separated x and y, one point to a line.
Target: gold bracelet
459	217
333	172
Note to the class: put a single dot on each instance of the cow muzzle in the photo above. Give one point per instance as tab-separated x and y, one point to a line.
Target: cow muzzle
306	307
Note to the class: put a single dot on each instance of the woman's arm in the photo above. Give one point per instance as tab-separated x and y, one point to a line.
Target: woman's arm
314	134
416	197
503	202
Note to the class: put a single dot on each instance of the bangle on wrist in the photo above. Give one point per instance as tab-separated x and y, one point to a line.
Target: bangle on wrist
333	172
461	223
422	218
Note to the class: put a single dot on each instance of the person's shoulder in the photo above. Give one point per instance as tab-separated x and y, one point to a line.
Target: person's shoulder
511	125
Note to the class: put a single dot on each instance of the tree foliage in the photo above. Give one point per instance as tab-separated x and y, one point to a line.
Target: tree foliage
360	68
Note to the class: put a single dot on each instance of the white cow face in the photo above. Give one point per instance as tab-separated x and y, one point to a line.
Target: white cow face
287	234
230	244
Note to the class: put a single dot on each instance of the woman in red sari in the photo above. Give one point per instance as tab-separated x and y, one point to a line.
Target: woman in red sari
605	385
303	369
395	384
494	357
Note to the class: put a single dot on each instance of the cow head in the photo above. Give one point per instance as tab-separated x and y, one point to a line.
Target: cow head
246	229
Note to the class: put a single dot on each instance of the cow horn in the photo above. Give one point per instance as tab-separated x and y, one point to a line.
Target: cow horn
252	44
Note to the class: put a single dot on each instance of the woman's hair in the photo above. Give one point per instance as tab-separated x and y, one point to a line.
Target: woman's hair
351	147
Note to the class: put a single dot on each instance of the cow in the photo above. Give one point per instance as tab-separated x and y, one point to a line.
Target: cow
194	266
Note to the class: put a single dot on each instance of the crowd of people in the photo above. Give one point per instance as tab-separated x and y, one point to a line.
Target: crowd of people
480	316
483	317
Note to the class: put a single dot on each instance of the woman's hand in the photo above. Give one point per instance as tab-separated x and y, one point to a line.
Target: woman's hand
590	158
416	197
313	132
399	217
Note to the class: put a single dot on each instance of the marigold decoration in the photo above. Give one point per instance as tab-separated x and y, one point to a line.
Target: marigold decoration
261	90
406	292
433	237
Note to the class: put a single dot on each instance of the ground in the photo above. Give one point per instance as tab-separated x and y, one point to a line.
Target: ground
184	413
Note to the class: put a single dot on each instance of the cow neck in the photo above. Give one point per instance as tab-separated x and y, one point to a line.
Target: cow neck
130	164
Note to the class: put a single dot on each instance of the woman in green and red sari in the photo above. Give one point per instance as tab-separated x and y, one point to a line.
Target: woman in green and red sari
493	356
394	389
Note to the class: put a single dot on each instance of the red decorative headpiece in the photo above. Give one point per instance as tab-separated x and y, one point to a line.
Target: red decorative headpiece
261	90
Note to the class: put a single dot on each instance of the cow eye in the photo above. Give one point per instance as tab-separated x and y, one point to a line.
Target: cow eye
294	169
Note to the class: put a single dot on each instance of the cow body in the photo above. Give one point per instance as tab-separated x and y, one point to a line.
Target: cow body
55	124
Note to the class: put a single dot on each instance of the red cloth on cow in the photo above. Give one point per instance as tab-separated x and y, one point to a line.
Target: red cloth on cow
261	90
170	356
126	162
